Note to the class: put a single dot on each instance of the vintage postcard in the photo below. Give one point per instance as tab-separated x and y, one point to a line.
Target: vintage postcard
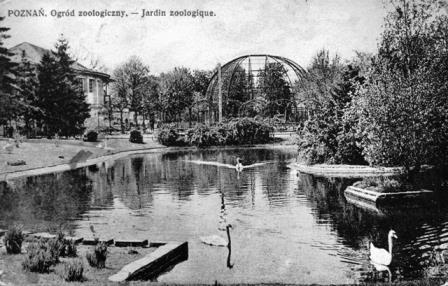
223	142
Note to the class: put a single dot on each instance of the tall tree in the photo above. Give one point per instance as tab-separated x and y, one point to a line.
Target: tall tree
63	104
133	80
151	100
324	74
275	90
8	103
404	107
237	91
177	90
201	80
27	87
119	98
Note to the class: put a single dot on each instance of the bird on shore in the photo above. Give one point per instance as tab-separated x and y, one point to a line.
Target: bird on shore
216	240
382	256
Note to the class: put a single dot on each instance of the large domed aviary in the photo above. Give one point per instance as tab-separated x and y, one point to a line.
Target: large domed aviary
256	85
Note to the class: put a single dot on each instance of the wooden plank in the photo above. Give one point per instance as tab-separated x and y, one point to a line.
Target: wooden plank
154	263
368	195
74	239
156	243
95	241
131	242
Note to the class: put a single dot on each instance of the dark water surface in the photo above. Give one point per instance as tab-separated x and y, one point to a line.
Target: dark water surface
287	227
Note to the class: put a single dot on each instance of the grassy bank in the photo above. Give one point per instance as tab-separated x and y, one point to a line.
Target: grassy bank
43	153
14	274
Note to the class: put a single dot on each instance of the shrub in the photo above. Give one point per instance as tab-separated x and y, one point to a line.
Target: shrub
168	137
237	131
64	247
41	256
91	136
73	271
385	185
202	136
13	240
330	135
56	247
136	137
70	249
97	258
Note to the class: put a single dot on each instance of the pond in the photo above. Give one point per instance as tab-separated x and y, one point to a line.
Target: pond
286	227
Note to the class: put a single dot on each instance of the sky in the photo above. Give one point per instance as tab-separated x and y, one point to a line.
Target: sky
295	29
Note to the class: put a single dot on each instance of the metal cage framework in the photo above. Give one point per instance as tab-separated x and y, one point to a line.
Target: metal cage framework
251	68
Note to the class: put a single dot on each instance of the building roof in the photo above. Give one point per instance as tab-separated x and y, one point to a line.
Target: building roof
35	53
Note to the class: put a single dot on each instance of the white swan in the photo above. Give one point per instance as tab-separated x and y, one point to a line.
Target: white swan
239	167
216	240
380	255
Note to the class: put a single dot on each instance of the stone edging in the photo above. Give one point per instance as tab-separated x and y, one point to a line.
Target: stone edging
347	171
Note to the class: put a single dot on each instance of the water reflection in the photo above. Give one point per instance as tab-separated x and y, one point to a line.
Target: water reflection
287	228
47	200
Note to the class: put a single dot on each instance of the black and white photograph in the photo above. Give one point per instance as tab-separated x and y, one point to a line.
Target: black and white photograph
224	142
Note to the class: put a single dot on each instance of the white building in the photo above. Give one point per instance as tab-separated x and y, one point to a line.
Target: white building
94	83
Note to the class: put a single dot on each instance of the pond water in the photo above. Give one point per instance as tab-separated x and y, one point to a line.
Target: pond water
286	227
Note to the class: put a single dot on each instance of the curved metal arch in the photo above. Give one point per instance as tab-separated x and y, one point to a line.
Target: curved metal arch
233	73
298	70
229	71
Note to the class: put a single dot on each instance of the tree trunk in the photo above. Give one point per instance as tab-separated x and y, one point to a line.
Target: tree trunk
135	119
121	121
189	117
110	121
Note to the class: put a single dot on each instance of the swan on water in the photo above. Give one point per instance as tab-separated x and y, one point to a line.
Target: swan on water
216	240
381	255
239	166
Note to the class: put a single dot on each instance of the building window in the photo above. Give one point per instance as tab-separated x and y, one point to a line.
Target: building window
84	85
91	83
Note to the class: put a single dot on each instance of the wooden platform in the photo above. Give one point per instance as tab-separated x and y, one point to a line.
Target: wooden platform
371	200
131	242
346	171
95	241
74	239
153	264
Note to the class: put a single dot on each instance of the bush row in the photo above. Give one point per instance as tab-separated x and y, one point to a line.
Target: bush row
234	132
